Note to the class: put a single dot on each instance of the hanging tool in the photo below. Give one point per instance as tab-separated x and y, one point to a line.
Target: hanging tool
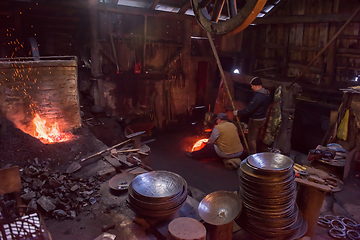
227	88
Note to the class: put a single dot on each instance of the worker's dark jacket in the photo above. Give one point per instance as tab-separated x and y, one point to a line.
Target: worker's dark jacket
258	105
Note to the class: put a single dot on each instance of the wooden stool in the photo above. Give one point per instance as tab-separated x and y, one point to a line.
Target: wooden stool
186	228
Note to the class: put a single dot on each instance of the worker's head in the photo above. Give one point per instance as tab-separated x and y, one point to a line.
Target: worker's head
221	117
256	83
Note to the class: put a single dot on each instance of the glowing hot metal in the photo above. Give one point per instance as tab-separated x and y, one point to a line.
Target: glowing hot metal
199	144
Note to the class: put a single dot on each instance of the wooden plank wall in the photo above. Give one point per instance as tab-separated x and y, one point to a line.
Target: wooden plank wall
283	49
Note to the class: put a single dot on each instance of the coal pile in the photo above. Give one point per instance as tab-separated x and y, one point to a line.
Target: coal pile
45	184
21	149
55	195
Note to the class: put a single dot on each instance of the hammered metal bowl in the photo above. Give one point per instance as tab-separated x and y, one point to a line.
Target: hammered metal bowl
268	191
220	207
157	194
270	162
158	185
121	181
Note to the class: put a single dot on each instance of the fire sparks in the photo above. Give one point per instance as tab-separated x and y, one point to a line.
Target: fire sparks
49	133
199	144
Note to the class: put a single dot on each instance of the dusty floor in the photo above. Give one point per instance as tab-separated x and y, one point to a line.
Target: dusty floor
204	177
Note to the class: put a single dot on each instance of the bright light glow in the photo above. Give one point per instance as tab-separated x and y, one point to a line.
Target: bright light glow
236	71
190	12
165	8
199	144
49	133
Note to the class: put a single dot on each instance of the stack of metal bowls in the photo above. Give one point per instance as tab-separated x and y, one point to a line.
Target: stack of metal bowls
157	194
268	189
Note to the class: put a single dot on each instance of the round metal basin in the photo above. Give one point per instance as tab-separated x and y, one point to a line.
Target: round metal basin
220	207
270	162
159	185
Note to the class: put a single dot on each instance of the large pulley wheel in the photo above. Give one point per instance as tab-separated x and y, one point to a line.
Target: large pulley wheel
209	12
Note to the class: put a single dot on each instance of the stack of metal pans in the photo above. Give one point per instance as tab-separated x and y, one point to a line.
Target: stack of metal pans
268	188
157	194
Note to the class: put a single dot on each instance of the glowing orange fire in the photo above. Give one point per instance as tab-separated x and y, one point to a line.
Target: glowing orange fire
49	133
199	144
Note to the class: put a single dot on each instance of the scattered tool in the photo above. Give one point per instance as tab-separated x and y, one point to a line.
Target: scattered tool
75	166
115	152
123	161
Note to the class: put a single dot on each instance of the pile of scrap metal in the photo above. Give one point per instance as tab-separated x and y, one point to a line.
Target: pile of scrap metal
333	154
318	176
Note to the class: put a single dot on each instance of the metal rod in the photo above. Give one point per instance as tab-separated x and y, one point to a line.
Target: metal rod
323	50
227	88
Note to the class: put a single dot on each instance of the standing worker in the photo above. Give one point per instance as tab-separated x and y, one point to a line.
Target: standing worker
257	110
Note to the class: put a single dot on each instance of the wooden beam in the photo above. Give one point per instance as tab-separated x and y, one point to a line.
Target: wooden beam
349	55
47	18
143	12
184	7
343	36
296	48
324	18
348	50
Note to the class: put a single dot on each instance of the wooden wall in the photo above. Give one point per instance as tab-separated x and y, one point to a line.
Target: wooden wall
289	37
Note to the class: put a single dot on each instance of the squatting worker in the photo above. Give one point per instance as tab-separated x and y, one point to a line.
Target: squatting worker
224	141
257	111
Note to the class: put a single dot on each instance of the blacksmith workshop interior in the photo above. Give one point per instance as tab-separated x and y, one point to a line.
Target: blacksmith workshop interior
106	106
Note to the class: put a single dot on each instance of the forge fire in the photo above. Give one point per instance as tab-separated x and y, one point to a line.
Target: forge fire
49	132
46	131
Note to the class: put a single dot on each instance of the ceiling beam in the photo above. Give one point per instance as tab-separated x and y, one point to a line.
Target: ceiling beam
144	12
184	7
324	18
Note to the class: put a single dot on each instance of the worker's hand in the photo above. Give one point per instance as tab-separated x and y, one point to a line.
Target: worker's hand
235	112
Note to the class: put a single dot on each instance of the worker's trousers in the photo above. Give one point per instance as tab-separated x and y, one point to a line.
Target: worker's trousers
207	152
254	127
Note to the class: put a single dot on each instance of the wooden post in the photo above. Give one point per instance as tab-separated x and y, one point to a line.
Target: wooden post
310	198
331	54
145	33
286	52
221	232
95	60
226	86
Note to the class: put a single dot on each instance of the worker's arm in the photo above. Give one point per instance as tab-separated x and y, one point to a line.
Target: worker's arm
214	135
255	102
